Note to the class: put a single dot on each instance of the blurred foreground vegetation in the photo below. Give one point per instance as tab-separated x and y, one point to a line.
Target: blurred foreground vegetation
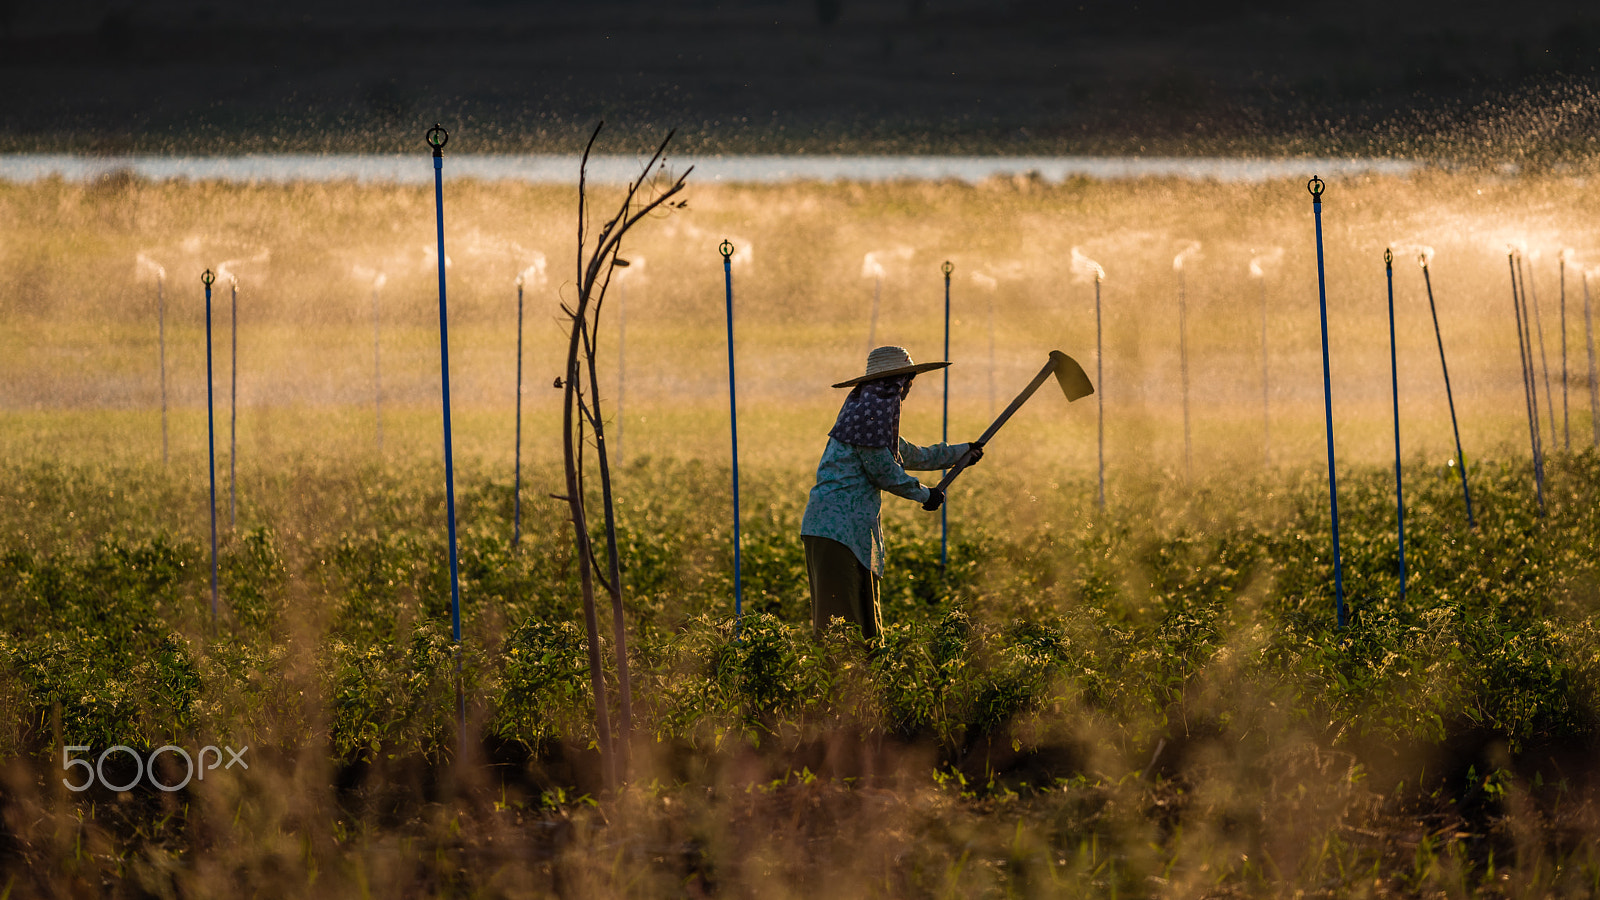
1152	699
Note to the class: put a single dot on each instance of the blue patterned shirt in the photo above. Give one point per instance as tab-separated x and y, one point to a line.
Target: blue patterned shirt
845	505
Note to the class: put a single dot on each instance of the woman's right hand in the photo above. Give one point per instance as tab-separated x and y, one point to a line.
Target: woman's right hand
935	499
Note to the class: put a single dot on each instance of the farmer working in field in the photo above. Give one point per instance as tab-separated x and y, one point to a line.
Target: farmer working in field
841	531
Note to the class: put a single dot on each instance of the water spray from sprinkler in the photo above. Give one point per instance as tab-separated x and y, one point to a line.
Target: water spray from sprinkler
1394	392
726	248
159	272
1085	268
208	279
1424	257
1316	186
1258	266
1183	351
436	138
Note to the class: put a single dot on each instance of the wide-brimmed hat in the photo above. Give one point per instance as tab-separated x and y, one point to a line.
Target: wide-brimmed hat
887	362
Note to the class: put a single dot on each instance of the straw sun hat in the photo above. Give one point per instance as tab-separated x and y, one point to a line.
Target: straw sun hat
887	362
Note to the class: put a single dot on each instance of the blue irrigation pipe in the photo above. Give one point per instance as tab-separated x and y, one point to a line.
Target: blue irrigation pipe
1100	395
1529	394
1449	396
1394	392
726	249
208	279
944	434
1316	187
1533	378
516	478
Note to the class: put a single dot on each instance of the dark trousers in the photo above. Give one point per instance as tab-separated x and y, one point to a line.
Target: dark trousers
840	587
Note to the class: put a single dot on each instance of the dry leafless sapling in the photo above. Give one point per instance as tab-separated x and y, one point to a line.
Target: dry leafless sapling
582	416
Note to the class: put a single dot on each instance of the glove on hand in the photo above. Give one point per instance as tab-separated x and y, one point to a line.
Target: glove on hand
935	499
974	452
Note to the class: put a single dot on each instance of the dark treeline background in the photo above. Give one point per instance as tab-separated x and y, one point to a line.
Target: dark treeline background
1029	76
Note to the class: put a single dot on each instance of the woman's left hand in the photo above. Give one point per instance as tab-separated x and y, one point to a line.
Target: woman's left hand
974	452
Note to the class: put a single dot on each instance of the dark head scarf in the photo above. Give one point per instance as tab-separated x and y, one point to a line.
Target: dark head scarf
870	416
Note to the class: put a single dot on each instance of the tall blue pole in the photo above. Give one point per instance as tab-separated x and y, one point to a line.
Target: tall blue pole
944	433
208	279
437	137
1449	396
1316	186
1394	391
726	249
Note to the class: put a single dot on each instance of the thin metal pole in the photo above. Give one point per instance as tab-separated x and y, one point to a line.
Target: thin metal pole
1566	423
991	357
1316	186
1100	396
161	332
1528	393
944	433
1394	392
233	410
1461	459
436	138
1544	361
209	279
516	478
726	249
1266	384
377	372
1183	366
622	362
1533	381
1594	385
872	328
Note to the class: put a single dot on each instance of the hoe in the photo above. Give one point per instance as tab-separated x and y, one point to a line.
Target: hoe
1074	383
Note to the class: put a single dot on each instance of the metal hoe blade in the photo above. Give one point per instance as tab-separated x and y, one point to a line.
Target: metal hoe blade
1073	380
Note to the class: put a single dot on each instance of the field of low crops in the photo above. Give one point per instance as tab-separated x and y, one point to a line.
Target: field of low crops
1150	699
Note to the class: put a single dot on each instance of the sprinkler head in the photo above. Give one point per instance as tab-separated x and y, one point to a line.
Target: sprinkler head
1316	186
947	268
1388	258
726	249
207	278
437	137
